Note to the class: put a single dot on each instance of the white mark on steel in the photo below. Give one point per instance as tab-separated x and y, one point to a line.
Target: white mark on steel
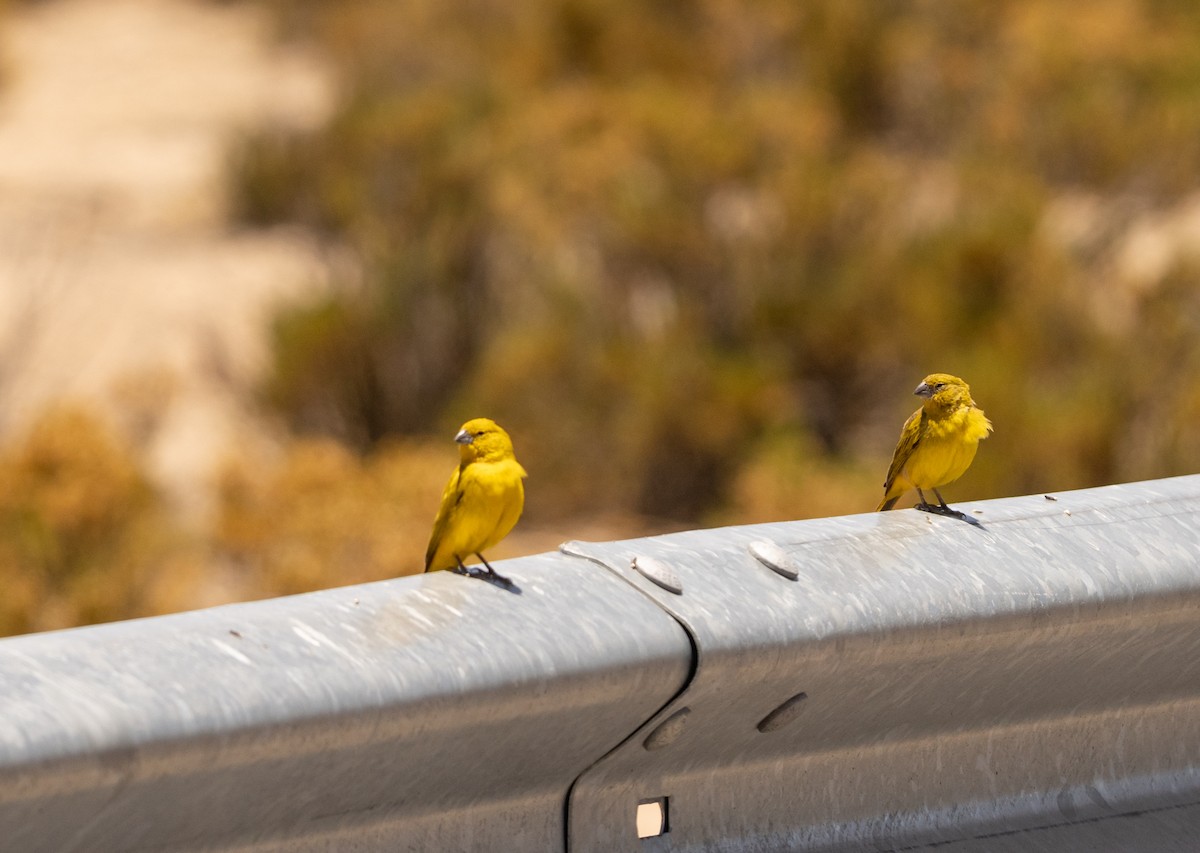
232	652
310	635
418	615
185	710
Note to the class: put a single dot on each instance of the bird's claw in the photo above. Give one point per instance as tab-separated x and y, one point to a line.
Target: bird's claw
470	572
488	574
946	512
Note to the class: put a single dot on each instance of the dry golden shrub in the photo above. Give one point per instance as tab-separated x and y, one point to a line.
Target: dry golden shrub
649	237
323	517
83	535
787	477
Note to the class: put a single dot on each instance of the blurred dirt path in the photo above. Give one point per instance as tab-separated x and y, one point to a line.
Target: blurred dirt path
120	281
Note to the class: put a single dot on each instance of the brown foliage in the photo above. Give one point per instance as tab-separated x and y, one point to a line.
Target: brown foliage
83	537
694	257
324	517
648	237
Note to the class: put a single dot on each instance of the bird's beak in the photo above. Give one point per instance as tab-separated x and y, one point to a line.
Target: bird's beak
464	437
924	390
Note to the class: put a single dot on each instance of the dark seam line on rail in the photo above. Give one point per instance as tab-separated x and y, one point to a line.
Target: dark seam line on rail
691	676
1008	832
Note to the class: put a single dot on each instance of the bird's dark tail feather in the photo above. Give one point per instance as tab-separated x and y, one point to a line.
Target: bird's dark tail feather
887	504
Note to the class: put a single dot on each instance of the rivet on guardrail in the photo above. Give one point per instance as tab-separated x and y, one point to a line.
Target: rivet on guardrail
774	558
667	731
783	715
659	573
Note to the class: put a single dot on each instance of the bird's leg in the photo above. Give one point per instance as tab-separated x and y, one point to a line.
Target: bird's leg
952	513
463	569
940	508
492	574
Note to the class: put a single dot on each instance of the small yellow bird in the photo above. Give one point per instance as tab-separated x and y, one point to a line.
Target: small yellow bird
482	501
937	444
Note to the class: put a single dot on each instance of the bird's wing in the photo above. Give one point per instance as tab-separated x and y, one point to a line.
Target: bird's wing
910	437
451	498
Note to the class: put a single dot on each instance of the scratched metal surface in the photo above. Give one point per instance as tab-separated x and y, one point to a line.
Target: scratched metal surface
1039	672
426	713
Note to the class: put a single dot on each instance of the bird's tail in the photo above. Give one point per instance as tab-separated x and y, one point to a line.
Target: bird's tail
887	503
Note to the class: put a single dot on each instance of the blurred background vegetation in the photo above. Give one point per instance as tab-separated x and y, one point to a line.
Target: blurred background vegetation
694	257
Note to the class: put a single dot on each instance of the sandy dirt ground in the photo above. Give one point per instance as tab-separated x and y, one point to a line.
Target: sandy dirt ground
120	281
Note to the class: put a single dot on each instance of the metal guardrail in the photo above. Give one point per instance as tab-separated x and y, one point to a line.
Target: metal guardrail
892	681
428	713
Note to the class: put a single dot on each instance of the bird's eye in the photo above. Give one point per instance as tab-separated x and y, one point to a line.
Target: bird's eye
480	432
939	386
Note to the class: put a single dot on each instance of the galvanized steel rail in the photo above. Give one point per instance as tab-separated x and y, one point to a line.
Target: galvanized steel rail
892	681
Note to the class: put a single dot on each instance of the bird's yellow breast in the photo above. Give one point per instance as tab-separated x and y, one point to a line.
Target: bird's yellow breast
480	507
947	447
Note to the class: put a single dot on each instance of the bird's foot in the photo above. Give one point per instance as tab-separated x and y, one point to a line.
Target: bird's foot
489	575
946	512
493	576
471	572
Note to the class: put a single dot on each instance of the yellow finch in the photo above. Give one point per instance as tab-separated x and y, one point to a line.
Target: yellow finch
937	444
482	501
